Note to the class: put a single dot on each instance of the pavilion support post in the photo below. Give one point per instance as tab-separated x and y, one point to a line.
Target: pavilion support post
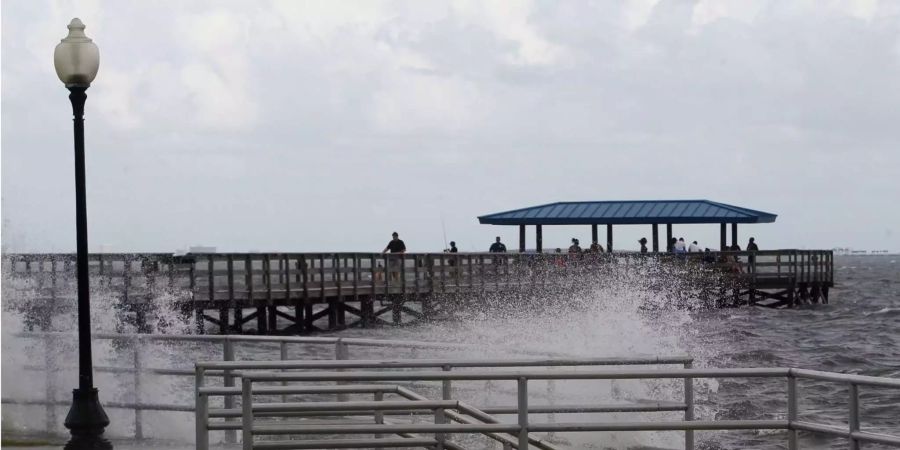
609	238
723	234
521	238
539	239
734	236
655	238
594	236
668	237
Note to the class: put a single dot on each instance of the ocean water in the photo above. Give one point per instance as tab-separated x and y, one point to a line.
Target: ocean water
619	314
857	332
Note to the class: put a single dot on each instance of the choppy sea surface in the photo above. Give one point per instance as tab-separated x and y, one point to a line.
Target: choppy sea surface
857	332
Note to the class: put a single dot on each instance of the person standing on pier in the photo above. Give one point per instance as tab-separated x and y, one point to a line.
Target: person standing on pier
497	247
751	259
453	258
395	246
643	242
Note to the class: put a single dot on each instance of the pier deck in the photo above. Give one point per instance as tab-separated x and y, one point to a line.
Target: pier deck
320	291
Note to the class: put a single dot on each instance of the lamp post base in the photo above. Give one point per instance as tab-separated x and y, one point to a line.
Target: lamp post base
86	421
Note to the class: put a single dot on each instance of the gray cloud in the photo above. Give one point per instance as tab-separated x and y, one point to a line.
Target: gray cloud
325	126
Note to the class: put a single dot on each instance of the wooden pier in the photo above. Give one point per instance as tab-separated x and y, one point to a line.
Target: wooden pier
299	293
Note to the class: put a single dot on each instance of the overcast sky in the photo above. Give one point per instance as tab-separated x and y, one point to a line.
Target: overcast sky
307	126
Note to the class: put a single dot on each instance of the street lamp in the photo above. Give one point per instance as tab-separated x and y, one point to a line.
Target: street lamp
77	59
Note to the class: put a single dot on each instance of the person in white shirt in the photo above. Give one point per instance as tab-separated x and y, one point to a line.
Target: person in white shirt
694	248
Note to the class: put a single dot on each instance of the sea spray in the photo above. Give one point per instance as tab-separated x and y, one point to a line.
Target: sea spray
40	350
625	307
632	308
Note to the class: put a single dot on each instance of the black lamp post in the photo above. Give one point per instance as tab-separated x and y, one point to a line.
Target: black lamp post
77	59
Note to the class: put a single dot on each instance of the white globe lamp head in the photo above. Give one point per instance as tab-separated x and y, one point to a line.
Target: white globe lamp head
76	57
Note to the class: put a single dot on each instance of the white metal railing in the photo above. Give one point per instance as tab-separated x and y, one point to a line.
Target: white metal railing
138	369
231	369
250	427
139	401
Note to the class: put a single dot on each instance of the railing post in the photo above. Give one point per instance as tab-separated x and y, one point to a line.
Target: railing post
284	356
246	413
50	384
379	415
440	418
201	411
228	381
689	408
341	352
551	397
522	391
792	411
138	414
854	415
446	386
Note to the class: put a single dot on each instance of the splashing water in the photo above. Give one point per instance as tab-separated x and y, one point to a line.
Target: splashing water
627	308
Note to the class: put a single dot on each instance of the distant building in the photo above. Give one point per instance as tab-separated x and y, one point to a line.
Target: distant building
201	249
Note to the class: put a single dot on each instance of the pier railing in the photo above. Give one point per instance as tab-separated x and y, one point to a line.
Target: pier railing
311	292
257	418
267	278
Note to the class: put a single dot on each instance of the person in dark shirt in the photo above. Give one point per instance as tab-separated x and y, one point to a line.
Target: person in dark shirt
394	264
643	242
751	246
452	259
497	247
396	245
751	259
596	247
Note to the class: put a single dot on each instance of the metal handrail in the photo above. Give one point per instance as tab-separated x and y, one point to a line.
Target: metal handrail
524	427
447	364
204	368
138	403
364	342
138	369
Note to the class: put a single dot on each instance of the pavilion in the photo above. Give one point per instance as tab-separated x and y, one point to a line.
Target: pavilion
629	212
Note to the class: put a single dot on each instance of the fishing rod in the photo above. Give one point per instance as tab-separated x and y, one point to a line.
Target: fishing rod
444	230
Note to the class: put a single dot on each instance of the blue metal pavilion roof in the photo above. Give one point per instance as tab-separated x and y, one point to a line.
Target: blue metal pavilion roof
628	212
